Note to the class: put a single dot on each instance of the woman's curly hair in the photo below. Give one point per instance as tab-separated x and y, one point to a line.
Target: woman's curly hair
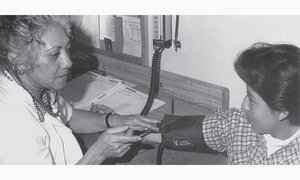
17	34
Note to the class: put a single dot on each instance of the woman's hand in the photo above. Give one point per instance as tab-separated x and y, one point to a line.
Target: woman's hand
115	142
135	122
138	122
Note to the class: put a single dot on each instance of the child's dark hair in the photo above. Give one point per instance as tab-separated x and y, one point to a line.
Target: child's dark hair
272	71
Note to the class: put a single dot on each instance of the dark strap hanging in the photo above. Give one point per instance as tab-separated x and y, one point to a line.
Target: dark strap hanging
177	43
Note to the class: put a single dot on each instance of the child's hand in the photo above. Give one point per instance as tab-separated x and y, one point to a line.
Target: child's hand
153	137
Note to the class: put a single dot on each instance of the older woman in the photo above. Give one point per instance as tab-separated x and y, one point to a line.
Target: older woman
36	123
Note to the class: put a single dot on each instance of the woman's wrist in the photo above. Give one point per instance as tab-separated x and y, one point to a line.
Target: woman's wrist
113	120
107	119
92	156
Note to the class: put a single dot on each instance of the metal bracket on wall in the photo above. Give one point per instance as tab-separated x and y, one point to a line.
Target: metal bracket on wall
108	45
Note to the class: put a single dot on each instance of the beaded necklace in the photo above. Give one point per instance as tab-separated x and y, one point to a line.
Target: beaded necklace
43	104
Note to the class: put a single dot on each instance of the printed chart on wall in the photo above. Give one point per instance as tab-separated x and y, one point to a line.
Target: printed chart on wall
132	42
108	27
124	37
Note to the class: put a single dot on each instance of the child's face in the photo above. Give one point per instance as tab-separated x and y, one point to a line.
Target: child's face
263	119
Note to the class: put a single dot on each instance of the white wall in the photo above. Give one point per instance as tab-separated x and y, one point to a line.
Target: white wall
211	43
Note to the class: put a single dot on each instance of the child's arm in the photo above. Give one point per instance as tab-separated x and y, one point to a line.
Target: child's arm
223	129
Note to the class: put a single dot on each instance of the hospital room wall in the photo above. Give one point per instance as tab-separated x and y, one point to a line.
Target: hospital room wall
210	45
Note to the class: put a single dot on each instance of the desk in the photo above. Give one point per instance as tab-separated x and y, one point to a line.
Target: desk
191	97
141	154
145	153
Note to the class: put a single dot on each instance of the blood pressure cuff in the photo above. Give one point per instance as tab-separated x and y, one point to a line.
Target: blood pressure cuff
183	133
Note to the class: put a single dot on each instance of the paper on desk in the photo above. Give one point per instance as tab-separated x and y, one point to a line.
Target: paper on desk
128	84
81	91
127	100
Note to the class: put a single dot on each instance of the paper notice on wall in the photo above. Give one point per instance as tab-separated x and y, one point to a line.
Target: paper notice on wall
132	43
89	31
108	27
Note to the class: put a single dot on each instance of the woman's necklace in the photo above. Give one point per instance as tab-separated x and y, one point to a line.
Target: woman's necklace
43	104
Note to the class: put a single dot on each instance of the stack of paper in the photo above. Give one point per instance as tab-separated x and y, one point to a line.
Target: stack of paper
93	88
127	100
82	90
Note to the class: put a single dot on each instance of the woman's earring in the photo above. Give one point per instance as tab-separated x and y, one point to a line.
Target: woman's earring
18	68
14	67
21	72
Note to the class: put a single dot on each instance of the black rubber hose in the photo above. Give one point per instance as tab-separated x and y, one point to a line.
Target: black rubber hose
154	83
160	152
